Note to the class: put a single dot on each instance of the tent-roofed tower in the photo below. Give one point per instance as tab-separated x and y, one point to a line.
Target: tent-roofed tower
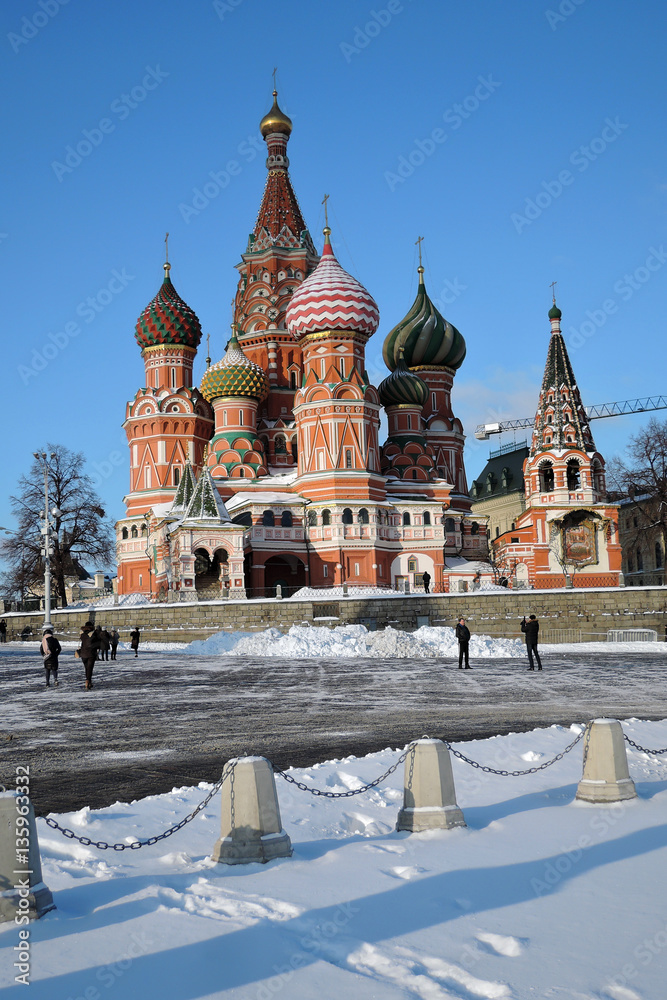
279	255
568	529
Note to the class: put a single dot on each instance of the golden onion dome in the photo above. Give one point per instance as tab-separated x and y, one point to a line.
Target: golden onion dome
276	120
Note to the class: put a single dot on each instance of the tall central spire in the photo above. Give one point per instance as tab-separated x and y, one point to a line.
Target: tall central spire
561	421
279	222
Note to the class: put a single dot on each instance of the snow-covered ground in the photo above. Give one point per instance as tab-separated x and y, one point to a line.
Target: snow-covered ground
539	897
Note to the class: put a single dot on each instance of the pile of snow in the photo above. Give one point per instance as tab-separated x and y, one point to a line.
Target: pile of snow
539	896
303	641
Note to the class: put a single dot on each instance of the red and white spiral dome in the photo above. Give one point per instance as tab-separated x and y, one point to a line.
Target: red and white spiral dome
331	299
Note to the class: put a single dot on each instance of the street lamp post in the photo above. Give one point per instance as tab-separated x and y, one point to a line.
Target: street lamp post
46	536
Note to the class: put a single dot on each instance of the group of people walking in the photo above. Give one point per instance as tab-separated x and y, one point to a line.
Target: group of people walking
94	643
530	628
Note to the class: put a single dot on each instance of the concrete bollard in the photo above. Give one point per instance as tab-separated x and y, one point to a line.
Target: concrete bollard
23	895
279	592
429	797
605	777
251	829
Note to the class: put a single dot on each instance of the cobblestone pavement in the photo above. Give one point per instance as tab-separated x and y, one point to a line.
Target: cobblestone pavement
169	719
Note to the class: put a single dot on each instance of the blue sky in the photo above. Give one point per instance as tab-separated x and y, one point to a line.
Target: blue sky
524	142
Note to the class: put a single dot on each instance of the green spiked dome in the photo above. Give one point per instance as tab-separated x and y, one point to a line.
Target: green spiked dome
403	387
167	319
426	337
235	375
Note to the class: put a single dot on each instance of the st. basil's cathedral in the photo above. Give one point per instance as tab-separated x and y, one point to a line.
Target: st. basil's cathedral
273	472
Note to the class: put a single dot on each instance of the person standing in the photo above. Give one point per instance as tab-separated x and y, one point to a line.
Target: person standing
90	644
426	577
50	649
3	631
114	639
106	645
135	635
531	628
463	635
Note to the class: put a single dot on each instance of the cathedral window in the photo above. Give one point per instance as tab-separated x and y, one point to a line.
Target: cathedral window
173	378
312	519
177	476
224	418
286	519
124	533
414	473
292	380
409	421
268	519
347	516
356	569
412	565
326	517
474	528
148	479
320	460
450	526
134	532
434	401
363	516
406	518
143	530
325	570
240	418
348	458
426	517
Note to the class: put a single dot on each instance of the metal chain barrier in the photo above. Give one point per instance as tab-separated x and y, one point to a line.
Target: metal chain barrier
642	749
515	774
136	844
352	791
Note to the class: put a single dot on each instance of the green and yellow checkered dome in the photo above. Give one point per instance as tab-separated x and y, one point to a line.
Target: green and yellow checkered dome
235	375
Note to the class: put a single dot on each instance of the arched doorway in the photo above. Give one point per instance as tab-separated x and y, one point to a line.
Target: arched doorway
210	572
286	570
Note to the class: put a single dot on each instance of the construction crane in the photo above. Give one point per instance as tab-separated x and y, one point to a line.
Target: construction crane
484	431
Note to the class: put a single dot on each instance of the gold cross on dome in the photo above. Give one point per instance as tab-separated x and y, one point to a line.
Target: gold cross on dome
166	247
552	286
418	243
326	214
275	70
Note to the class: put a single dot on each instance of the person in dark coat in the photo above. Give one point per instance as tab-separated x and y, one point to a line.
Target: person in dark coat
3	631
106	645
90	644
531	629
114	640
135	635
50	649
426	577
463	635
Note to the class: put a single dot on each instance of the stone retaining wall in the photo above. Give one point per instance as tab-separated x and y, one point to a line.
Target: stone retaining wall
565	615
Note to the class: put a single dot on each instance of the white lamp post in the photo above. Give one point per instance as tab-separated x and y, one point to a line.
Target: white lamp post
46	536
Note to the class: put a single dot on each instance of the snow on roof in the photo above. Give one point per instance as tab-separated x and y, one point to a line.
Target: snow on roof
239	499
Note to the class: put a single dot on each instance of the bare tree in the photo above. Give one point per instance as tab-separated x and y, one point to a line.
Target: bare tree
81	530
642	476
